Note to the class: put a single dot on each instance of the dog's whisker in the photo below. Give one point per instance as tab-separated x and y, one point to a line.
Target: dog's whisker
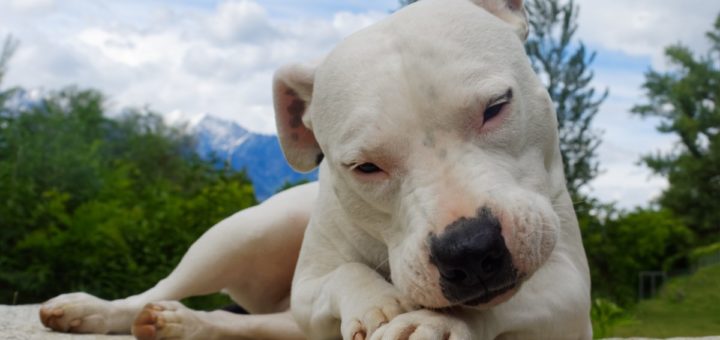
381	264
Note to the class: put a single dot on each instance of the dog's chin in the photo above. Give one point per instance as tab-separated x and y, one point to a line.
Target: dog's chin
492	299
482	301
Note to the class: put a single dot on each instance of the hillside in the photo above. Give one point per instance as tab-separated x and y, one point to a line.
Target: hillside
686	306
258	154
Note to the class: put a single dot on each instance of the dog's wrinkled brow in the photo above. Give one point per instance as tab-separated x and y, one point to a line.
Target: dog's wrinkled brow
505	97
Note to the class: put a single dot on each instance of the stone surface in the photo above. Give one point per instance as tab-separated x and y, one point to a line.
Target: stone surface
22	322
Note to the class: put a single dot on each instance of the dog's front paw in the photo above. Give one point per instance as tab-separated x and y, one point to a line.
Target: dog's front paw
172	320
371	314
82	313
425	325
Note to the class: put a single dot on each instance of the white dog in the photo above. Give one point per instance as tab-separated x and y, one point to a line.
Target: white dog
441	210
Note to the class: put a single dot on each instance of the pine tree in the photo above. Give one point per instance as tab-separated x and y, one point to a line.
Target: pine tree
563	63
686	99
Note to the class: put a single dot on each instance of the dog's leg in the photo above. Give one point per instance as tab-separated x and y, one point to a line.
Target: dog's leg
84	313
256	272
352	295
251	255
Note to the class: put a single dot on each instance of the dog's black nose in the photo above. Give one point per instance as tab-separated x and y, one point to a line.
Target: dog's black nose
473	261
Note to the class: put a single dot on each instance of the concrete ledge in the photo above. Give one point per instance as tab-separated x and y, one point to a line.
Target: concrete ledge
22	323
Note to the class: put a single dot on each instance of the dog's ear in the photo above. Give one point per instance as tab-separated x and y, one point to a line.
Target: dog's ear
510	11
292	93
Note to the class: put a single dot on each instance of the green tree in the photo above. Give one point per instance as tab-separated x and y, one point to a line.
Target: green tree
621	244
101	205
686	100
564	64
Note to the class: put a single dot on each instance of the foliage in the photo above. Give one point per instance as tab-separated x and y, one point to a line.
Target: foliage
605	315
102	205
686	307
564	64
621	244
686	99
703	255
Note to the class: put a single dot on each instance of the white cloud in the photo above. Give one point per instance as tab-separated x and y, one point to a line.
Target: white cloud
132	49
188	59
646	27
625	139
32	5
241	21
218	60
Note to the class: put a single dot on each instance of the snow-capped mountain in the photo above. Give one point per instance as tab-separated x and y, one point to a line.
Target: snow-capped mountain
258	154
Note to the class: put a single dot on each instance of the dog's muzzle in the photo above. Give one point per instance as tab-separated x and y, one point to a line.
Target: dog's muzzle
474	263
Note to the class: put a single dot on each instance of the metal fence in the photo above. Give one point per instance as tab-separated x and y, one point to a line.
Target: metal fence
708	260
650	281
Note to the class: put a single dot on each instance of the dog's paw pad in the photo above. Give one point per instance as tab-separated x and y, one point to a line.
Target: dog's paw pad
423	324
76	313
146	324
363	327
166	320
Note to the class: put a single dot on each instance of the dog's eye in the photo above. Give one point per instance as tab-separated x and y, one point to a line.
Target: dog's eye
368	168
496	106
492	111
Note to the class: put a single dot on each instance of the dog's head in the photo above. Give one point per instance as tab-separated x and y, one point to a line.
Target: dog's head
439	140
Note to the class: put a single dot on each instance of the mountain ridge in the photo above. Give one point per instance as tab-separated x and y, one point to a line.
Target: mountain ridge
257	154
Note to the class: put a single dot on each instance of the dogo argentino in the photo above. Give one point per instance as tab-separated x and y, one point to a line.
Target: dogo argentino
441	211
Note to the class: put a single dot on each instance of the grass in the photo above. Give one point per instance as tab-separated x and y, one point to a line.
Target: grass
686	306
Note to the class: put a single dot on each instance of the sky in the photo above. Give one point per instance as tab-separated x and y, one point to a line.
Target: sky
185	58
